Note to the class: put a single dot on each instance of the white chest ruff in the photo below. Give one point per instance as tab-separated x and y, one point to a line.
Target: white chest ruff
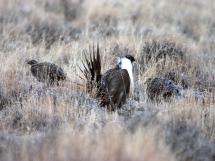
126	64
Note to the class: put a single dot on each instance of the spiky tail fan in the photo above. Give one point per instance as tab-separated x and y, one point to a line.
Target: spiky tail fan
92	68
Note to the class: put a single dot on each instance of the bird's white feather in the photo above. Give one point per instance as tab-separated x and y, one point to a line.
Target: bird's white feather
125	63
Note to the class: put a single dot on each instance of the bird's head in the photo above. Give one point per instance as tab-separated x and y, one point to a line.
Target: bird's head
171	88
130	57
31	62
123	62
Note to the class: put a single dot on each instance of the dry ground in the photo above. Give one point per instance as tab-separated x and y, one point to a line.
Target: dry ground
64	123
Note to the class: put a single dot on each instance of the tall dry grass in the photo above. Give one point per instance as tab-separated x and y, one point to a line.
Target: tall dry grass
64	123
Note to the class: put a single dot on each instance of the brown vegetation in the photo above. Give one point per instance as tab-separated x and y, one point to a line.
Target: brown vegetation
170	39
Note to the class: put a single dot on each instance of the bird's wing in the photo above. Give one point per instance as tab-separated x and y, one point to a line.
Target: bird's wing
115	86
120	78
39	71
115	80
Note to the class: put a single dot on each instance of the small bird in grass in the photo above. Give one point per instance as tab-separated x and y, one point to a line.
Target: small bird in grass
158	88
113	87
47	72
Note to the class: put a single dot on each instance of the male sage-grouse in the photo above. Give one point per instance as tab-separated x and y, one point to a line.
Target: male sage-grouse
111	88
47	72
158	88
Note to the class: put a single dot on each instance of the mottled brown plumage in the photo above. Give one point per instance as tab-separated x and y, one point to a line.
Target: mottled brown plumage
178	78
47	72
158	88
114	88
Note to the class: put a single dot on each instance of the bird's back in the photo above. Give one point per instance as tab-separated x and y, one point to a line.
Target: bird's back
115	86
161	87
47	72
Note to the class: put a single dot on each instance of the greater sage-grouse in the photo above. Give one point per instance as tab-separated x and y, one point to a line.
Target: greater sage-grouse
158	88
47	72
111	88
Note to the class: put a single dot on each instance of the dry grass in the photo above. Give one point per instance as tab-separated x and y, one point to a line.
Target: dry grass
64	123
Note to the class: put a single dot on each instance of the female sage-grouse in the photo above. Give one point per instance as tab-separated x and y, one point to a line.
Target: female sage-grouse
47	72
158	88
113	87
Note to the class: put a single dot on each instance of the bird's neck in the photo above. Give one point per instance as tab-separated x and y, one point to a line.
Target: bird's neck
126	64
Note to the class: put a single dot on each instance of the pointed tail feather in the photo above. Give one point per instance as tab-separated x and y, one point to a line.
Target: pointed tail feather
92	68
